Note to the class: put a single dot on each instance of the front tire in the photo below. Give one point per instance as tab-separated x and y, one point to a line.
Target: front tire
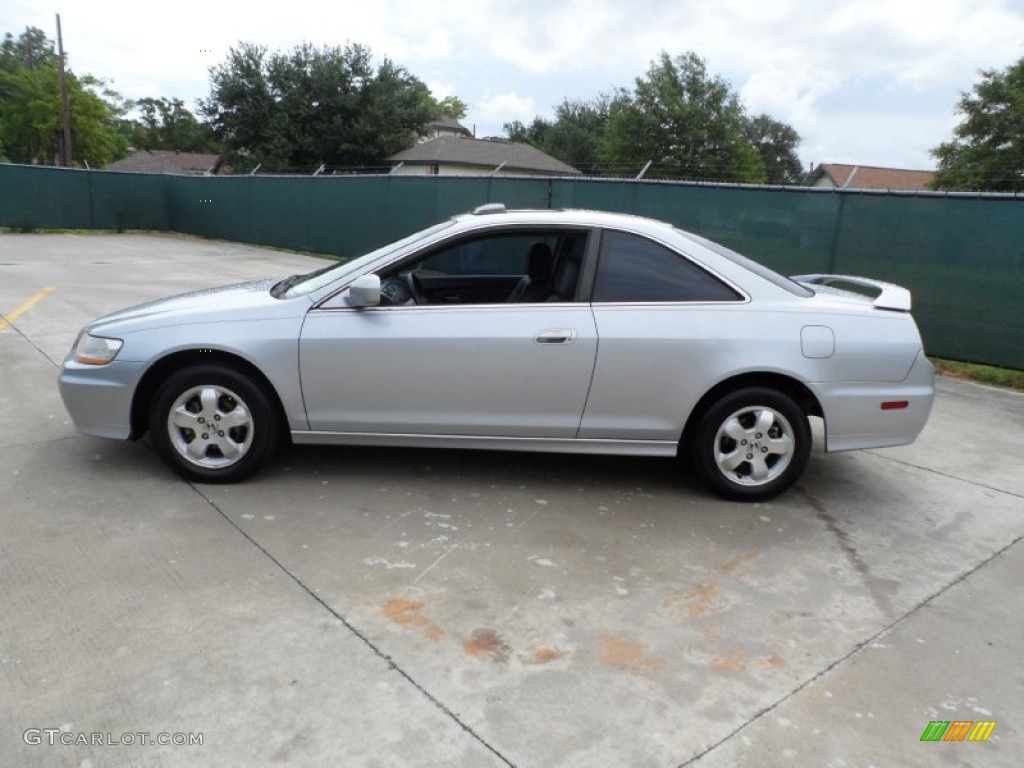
212	424
752	444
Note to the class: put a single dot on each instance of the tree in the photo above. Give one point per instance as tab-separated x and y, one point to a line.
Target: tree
574	136
167	124
453	107
313	106
32	49
987	149
30	106
776	143
689	123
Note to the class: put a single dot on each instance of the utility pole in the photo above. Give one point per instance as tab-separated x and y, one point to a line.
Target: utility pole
65	154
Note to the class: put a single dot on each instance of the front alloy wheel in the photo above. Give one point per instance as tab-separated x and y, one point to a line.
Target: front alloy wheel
752	444
212	424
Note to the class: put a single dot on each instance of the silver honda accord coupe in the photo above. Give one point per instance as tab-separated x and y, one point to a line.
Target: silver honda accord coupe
560	331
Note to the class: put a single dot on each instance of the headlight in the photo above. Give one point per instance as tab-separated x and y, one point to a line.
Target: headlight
96	350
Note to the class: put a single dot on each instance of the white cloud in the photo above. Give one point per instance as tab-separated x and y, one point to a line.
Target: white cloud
876	138
494	111
435	46
441	90
803	61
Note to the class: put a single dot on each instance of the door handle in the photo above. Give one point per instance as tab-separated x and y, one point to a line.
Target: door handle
556	336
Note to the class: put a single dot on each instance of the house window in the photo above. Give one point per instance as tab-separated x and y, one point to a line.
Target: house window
435	169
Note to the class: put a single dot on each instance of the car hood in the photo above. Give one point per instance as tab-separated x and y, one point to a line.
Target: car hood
243	301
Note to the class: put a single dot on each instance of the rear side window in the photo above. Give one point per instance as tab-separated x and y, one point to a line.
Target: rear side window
634	269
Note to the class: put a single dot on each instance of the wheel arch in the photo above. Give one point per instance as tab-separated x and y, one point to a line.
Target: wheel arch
788	385
158	371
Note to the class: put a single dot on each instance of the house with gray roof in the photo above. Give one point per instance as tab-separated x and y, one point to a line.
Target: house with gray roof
167	161
444	126
453	156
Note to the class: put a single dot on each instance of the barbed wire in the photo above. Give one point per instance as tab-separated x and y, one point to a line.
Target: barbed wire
712	174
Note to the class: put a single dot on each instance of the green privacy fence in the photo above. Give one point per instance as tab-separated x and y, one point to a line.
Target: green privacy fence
961	256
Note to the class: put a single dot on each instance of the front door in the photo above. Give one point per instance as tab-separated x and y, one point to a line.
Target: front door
459	348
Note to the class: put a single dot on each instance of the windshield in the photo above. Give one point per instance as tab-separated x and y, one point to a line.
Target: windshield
305	284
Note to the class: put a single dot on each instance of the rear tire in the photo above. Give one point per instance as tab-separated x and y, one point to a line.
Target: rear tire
212	424
751	444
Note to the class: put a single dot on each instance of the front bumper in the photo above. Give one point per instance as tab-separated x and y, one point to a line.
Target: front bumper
99	397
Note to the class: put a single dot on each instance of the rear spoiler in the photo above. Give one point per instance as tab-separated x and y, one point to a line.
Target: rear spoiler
889	296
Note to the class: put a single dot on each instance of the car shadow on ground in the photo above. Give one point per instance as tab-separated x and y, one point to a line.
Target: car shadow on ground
298	463
483	467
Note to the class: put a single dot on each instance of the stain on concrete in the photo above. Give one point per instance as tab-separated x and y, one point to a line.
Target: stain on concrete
545	654
877	588
407	613
694	601
402	611
730	662
628	655
434	632
486	643
738	662
699	600
736	561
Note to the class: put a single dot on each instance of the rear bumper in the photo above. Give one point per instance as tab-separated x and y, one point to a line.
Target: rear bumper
99	397
854	417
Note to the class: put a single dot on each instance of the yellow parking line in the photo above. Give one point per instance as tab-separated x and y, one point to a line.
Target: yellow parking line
7	319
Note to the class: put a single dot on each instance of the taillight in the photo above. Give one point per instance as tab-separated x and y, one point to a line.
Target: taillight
894	405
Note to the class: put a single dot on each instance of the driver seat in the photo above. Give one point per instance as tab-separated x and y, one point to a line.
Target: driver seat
567	273
536	285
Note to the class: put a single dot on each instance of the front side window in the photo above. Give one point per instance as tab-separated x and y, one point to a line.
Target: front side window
634	269
301	285
496	268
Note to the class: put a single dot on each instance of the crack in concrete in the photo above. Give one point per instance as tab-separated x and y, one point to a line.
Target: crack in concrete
946	475
35	346
853	652
392	664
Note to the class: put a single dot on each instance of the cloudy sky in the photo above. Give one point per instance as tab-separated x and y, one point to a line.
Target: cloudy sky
871	82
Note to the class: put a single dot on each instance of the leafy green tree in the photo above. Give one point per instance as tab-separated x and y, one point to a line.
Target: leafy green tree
776	143
30	106
167	124
987	149
574	136
30	50
313	106
453	107
688	123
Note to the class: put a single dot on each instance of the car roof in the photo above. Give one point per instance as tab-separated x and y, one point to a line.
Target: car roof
497	213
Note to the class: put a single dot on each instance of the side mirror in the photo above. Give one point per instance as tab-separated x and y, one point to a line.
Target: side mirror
364	292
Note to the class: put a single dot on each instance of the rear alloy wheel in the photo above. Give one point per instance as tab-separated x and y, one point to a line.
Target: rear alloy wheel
752	444
212	424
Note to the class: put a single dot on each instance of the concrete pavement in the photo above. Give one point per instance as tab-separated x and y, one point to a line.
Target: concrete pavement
399	607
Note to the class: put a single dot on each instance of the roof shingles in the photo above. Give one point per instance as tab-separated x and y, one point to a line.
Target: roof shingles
450	150
873	177
166	161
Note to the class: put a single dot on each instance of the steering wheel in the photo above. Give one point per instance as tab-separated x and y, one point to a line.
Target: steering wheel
415	287
394	292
